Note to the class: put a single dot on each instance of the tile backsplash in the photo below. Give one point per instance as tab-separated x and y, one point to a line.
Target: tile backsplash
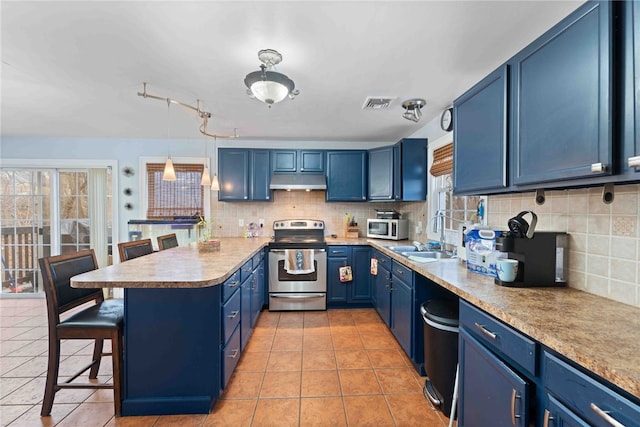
604	239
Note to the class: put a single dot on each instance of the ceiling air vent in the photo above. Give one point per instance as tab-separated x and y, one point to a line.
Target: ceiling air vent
377	102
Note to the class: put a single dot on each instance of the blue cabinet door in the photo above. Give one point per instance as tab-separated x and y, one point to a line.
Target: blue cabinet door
336	290
561	98
630	162
382	290
257	294
245	310
361	284
260	175
284	161
480	132
347	176
233	166
311	161
410	176
491	393
401	312
381	171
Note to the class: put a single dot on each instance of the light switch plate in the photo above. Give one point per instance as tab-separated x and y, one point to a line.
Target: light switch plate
240	222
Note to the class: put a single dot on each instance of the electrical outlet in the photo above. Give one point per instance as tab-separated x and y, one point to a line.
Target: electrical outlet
261	222
240	222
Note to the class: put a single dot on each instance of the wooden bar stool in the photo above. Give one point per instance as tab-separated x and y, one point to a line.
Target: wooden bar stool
100	321
167	241
134	249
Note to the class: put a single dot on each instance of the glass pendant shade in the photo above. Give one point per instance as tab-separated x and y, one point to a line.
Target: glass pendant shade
215	184
269	87
206	177
169	173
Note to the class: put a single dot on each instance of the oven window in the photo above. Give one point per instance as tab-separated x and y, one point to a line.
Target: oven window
379	228
283	276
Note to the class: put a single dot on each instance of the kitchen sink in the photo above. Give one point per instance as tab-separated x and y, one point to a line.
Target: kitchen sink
426	254
402	249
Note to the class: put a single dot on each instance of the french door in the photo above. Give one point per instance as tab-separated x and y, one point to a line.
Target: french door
47	212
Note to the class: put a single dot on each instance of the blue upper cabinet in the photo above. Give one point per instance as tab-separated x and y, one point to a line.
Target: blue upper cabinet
261	175
233	166
347	176
561	121
244	175
381	167
298	161
399	172
630	162
480	136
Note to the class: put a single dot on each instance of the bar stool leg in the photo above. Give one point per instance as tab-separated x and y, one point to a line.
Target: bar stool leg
97	357
52	375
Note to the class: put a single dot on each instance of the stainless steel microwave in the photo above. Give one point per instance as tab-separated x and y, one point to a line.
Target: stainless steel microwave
392	229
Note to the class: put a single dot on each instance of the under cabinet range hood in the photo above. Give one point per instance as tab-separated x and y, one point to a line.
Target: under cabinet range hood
291	181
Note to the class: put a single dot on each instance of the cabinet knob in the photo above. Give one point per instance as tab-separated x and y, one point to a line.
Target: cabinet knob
598	167
634	162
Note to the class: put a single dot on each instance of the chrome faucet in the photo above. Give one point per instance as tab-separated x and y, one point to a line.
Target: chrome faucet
440	214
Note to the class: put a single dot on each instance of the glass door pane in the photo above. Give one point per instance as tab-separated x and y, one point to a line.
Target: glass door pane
74	211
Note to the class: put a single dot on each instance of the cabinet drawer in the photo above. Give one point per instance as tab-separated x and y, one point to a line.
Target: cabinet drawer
337	251
257	258
586	396
383	260
230	357
246	270
230	285
496	335
230	316
402	272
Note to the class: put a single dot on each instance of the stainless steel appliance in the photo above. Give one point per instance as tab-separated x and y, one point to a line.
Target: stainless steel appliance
292	288
391	229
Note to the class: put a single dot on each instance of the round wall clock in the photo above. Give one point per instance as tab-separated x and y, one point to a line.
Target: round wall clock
446	120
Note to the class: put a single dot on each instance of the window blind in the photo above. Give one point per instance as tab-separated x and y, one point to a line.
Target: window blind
170	199
442	160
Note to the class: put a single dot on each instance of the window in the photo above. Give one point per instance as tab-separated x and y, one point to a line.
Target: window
170	199
457	209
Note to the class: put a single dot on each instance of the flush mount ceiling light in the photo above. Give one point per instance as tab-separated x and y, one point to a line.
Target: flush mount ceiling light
413	109
268	85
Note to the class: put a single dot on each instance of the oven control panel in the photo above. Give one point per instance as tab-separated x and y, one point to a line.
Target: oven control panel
299	224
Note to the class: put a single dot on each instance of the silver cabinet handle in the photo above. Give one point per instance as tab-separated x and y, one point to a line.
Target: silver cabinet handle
234	353
634	162
296	296
234	284
605	416
598	167
485	331
399	271
514	396
245	197
364	197
233	314
547	417
267	197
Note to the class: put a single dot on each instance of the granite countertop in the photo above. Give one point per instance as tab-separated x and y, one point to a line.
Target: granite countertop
180	267
599	334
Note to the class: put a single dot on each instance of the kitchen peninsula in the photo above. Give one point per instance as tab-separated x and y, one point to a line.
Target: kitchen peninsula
173	321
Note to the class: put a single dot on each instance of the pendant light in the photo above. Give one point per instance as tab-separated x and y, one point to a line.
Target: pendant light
169	173
215	184
206	177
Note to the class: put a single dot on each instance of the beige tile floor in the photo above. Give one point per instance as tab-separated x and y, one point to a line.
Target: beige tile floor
333	368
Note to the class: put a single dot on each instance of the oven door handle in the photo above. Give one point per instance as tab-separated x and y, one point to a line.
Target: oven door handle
282	250
297	296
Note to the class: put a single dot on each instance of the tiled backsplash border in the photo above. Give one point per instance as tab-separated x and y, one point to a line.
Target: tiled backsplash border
604	239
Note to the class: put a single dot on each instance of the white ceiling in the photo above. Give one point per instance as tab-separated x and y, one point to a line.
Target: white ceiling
73	69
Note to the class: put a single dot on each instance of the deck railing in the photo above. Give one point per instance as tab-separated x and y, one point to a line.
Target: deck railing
18	258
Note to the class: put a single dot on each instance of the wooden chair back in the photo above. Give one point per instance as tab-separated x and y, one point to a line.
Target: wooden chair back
167	241
134	249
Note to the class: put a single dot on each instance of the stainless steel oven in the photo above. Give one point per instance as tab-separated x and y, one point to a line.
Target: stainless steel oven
297	288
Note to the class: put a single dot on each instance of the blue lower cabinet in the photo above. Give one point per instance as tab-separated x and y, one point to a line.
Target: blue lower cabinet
558	415
355	292
490	392
230	356
257	294
382	291
246	289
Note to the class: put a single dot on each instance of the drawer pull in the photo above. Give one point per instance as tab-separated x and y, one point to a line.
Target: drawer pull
485	331
234	284
399	271
234	314
605	416
234	353
336	252
547	417
634	162
598	167
514	396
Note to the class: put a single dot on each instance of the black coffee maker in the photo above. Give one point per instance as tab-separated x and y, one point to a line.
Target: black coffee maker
542	256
